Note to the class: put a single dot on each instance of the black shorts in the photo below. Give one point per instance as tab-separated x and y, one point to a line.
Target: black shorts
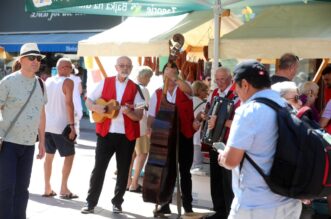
59	142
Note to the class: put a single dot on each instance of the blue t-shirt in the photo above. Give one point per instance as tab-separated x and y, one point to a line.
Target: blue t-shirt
254	130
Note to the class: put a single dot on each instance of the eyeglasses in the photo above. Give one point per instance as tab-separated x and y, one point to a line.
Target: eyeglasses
124	66
32	58
296	98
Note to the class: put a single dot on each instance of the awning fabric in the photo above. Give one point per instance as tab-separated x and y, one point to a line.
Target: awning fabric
56	42
304	30
150	36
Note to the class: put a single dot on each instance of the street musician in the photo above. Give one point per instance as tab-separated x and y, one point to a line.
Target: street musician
220	178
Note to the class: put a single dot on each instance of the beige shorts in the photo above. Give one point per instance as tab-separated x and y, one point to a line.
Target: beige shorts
142	145
290	210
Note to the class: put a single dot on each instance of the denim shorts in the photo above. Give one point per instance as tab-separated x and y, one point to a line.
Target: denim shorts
59	142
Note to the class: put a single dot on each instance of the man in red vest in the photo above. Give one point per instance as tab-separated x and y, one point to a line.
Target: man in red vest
114	135
178	92
220	178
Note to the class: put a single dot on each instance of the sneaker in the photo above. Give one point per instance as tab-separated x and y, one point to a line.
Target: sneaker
162	210
217	216
117	209
188	210
87	209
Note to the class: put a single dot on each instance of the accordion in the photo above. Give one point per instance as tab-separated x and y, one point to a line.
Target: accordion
223	108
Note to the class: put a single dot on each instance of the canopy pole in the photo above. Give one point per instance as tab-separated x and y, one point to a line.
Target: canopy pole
217	11
318	74
97	60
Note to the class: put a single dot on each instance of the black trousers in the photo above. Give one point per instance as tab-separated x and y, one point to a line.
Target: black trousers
185	163
106	147
185	160
220	185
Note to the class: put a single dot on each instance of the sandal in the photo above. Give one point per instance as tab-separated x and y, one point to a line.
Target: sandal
137	190
51	194
69	196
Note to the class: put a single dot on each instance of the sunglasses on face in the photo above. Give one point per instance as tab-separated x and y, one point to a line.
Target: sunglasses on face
32	58
296	98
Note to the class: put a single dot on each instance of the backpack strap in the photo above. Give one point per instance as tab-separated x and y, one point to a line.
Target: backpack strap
272	104
252	162
41	85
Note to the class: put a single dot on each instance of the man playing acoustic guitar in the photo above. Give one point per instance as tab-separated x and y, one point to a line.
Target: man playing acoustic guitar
114	135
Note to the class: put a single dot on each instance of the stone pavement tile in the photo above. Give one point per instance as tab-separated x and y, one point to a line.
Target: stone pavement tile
40	207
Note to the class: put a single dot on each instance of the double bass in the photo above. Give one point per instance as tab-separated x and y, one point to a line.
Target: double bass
160	175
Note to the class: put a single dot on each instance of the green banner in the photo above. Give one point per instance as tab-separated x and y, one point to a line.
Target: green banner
44	5
145	8
117	8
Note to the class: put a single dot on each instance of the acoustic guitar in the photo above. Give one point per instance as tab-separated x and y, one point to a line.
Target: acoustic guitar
112	108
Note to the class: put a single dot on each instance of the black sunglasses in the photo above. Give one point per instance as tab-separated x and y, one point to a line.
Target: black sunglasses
32	58
296	98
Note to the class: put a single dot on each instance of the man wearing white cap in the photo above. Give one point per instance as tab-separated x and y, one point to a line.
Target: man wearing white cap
22	101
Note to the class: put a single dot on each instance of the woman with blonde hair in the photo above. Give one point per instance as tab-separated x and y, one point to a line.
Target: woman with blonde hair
200	94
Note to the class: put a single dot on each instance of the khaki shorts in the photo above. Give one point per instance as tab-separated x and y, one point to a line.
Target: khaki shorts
142	145
290	210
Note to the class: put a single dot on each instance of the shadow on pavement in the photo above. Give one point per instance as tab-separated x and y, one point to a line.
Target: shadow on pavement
85	147
54	201
77	205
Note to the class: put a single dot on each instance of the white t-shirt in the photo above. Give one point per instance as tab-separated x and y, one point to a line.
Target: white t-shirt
143	121
117	124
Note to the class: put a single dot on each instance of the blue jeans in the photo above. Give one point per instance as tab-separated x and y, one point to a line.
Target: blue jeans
15	172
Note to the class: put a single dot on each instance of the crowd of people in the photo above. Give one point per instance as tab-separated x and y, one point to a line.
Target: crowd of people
47	108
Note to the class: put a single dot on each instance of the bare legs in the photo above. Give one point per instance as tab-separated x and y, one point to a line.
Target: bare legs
48	172
66	169
139	164
67	165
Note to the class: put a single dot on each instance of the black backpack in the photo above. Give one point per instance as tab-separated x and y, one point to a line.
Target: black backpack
301	166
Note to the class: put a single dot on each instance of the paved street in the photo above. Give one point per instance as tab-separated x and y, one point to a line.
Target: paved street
40	207
133	206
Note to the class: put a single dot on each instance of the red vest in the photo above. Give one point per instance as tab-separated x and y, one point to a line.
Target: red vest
132	130
230	95
184	110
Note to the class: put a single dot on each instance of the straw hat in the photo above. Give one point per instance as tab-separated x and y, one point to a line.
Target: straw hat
28	49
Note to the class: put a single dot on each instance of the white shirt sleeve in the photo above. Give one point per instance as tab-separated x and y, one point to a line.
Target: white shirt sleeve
96	92
138	99
152	105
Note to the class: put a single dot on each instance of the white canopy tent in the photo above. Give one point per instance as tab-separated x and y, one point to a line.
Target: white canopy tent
304	30
150	36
